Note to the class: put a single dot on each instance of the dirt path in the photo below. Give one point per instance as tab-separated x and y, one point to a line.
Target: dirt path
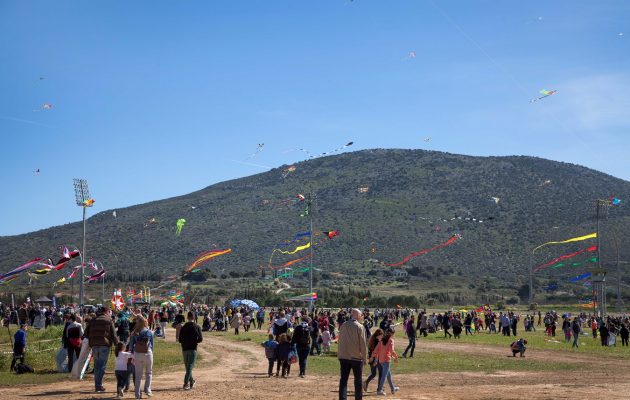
235	370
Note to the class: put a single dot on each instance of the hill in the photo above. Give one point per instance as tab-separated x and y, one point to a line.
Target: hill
407	196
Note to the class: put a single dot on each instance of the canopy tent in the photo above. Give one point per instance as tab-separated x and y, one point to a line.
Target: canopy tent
43	299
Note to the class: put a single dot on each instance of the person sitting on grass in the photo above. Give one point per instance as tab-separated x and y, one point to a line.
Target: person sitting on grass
518	347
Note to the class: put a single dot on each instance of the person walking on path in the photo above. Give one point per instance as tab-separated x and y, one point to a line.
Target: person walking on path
270	352
122	368
236	322
189	337
141	345
101	335
384	352
352	354
301	339
410	330
575	327
374	365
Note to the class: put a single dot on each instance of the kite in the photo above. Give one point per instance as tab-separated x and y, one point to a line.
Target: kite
114	214
258	150
307	209
304	297
287	202
580	277
62	280
288	170
544	93
564	257
88	203
614	201
299	248
427	139
327	153
575	264
496	199
205	257
410	55
180	225
36	172
373	249
331	234
100	274
575	239
19	269
297	237
149	222
450	241
546	182
45	106
364	189
7	280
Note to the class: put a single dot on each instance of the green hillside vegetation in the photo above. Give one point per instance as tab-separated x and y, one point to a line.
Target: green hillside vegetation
409	191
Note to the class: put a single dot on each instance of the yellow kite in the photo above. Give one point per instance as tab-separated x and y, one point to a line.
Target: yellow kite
575	239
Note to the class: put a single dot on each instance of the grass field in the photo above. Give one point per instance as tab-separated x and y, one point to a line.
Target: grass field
424	361
42	346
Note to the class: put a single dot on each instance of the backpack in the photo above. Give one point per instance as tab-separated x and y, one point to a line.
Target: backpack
304	339
142	344
23	369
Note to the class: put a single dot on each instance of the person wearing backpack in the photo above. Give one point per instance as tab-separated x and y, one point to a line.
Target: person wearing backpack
123	327
189	337
141	346
74	334
302	340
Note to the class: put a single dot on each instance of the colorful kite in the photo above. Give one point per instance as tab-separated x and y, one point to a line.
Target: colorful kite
575	239
299	248
331	234
291	262
100	274
205	257
180	225
450	241
304	297
150	222
575	264
544	93
296	238
580	277
496	199
566	256
614	201
88	203
19	269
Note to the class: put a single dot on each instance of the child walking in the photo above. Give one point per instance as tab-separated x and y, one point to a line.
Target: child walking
270	352
122	372
282	355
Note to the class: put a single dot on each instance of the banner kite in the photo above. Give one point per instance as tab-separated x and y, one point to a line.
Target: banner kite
575	264
297	260
564	257
296	238
205	257
304	297
19	269
299	248
100	274
450	241
580	277
180	225
575	239
331	234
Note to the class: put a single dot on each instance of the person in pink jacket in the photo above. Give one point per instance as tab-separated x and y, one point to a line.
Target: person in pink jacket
384	352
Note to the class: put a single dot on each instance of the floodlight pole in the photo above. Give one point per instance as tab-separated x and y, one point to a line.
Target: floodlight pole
82	267
310	270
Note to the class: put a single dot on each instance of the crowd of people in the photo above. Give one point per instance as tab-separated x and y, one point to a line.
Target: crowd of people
363	337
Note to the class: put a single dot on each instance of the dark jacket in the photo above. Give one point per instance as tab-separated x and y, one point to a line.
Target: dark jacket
190	335
101	331
301	336
282	351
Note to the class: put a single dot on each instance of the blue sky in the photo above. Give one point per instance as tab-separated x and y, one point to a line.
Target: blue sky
153	99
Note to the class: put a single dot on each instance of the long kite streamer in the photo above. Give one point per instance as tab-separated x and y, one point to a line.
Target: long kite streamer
304	297
564	257
288	263
575	264
296	238
19	269
575	239
450	241
299	248
96	276
580	277
205	257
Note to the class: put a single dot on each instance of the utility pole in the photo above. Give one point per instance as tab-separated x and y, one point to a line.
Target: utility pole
310	270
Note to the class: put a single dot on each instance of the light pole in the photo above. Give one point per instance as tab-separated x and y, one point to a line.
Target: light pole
83	199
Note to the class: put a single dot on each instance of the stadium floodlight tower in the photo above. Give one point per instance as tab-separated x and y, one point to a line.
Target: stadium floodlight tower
83	199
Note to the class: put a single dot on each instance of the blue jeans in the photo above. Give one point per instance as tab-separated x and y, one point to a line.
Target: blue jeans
315	346
356	367
302	353
411	346
386	374
100	354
